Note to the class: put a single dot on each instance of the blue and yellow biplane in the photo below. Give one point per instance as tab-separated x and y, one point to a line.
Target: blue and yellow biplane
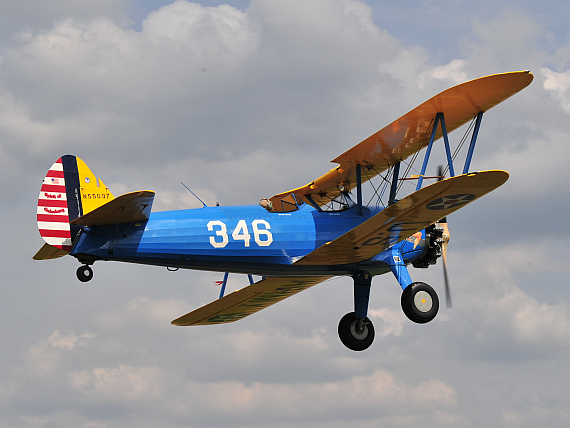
298	238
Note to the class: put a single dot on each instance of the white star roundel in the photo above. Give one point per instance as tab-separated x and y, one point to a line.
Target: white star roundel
450	201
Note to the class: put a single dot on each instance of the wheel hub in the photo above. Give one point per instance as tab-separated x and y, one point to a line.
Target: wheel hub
359	330
423	301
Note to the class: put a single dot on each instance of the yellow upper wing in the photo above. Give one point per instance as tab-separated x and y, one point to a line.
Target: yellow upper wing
408	134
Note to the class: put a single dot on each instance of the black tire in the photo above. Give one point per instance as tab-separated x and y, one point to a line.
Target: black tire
84	273
350	338
420	302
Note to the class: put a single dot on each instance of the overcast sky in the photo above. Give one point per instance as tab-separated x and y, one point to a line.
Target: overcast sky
242	101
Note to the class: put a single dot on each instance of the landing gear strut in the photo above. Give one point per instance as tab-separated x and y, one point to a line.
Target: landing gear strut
355	330
84	273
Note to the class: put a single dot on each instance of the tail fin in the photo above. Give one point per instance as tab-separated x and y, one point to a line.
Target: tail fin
69	190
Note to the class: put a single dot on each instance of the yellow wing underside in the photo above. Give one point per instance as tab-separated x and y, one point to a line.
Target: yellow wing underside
248	300
407	135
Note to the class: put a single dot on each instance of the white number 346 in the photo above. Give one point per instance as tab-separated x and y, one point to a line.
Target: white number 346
262	236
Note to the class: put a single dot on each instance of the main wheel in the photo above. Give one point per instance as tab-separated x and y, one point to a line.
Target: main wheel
420	302
84	273
355	333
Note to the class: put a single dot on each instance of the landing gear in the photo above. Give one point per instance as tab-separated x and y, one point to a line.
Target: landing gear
355	330
84	273
356	334
420	302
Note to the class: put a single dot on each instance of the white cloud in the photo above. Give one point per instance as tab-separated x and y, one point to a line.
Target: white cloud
507	322
45	357
242	104
66	340
453	72
119	383
376	393
154	313
391	321
558	84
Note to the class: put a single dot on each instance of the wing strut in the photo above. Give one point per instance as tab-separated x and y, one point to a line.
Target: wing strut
224	282
394	185
473	141
439	118
359	188
446	143
428	152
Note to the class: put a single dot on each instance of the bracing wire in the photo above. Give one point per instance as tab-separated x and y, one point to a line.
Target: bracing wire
461	143
380	190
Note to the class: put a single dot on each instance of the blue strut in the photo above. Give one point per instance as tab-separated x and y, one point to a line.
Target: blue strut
395	261
362	283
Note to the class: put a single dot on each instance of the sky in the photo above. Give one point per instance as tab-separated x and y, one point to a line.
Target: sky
242	100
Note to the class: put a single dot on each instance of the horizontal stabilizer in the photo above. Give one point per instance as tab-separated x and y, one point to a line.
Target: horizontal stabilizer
127	208
406	217
48	252
248	300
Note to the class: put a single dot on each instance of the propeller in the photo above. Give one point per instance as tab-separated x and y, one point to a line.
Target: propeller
445	236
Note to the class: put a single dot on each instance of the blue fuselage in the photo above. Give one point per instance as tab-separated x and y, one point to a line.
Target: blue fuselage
237	239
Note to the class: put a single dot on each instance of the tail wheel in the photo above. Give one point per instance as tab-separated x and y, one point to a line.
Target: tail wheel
420	302
356	334
84	273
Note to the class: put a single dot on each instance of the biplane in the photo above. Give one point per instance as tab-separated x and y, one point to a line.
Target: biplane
301	237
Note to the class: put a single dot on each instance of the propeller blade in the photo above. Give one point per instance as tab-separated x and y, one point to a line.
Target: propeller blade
440	175
446	236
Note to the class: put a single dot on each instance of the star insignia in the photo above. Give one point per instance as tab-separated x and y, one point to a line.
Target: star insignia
450	201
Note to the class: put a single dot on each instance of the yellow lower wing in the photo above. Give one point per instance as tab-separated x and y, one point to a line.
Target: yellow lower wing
248	300
406	217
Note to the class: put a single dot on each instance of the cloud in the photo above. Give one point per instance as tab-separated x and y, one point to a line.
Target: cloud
119	383
391	321
377	393
558	84
453	72
66	341
242	104
506	322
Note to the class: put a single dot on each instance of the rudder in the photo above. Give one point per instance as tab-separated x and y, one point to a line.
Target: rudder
69	190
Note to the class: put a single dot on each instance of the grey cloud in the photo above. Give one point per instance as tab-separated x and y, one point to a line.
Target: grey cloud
241	104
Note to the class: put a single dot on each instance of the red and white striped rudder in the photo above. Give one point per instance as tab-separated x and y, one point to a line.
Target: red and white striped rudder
69	191
53	212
